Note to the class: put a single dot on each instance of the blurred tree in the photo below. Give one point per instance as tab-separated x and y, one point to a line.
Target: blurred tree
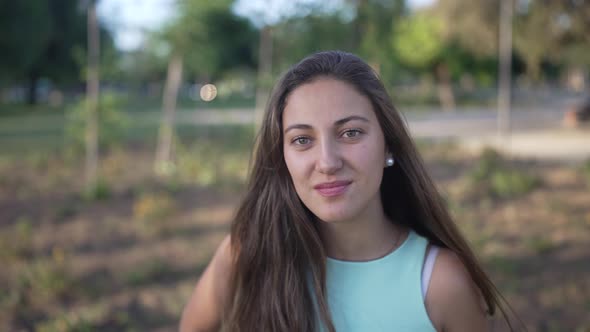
211	38
42	39
417	40
554	31
299	36
565	39
206	39
373	24
473	24
418	43
92	96
363	27
25	32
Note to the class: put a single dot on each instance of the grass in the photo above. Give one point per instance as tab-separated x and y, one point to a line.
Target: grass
17	244
42	128
149	272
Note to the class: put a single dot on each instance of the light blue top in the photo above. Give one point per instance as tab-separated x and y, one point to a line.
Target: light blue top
380	295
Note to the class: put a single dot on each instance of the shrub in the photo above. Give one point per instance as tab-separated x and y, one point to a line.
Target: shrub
494	175
112	123
488	162
512	183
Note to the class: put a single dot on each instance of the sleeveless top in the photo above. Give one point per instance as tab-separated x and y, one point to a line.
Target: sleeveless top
384	294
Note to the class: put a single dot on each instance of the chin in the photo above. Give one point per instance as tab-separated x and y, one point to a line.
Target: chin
334	216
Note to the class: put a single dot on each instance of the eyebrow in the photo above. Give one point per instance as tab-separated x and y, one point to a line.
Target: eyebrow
337	123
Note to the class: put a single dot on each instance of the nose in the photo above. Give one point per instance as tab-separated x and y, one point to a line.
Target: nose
329	160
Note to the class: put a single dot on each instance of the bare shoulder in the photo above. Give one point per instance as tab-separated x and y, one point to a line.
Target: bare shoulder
453	301
205	306
223	255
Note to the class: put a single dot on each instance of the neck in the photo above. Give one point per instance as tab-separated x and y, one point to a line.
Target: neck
361	239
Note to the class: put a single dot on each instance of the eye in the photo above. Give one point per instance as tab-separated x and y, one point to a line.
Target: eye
352	133
301	140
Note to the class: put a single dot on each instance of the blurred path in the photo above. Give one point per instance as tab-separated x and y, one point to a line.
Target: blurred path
535	133
478	122
428	123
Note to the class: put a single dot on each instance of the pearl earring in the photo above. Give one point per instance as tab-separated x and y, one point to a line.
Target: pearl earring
389	161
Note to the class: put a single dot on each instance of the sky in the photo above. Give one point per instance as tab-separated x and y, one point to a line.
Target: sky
131	19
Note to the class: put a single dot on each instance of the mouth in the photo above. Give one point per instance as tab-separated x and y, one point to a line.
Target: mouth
331	189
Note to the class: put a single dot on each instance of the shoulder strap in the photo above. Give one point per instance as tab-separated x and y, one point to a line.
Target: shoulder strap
427	270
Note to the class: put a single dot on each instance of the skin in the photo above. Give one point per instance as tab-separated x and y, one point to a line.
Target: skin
331	134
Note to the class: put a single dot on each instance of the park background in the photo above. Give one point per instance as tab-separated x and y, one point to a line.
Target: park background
118	178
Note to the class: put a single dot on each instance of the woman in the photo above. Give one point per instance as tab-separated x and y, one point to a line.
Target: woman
341	228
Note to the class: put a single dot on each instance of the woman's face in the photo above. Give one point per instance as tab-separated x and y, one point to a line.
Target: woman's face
334	149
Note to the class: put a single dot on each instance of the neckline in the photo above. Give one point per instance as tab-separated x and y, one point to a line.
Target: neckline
392	253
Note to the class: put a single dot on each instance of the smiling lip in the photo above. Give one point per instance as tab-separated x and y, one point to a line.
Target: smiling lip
330	189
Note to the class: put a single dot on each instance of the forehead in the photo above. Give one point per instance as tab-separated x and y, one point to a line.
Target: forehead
325	101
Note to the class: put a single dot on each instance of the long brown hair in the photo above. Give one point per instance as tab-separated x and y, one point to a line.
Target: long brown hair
279	272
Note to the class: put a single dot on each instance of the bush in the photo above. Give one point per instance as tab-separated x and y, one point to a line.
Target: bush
489	161
112	123
512	183
497	179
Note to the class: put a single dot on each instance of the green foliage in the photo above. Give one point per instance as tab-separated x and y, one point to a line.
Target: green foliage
17	244
489	160
314	32
26	31
211	38
512	183
112	123
45	39
493	174
101	190
417	40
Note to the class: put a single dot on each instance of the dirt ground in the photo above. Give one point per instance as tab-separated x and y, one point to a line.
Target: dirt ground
127	259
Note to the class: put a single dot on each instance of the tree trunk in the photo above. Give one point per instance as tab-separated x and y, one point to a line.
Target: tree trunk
264	73
445	88
33	79
504	68
92	93
162	165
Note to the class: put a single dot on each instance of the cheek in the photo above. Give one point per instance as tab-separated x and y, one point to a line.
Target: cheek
294	166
